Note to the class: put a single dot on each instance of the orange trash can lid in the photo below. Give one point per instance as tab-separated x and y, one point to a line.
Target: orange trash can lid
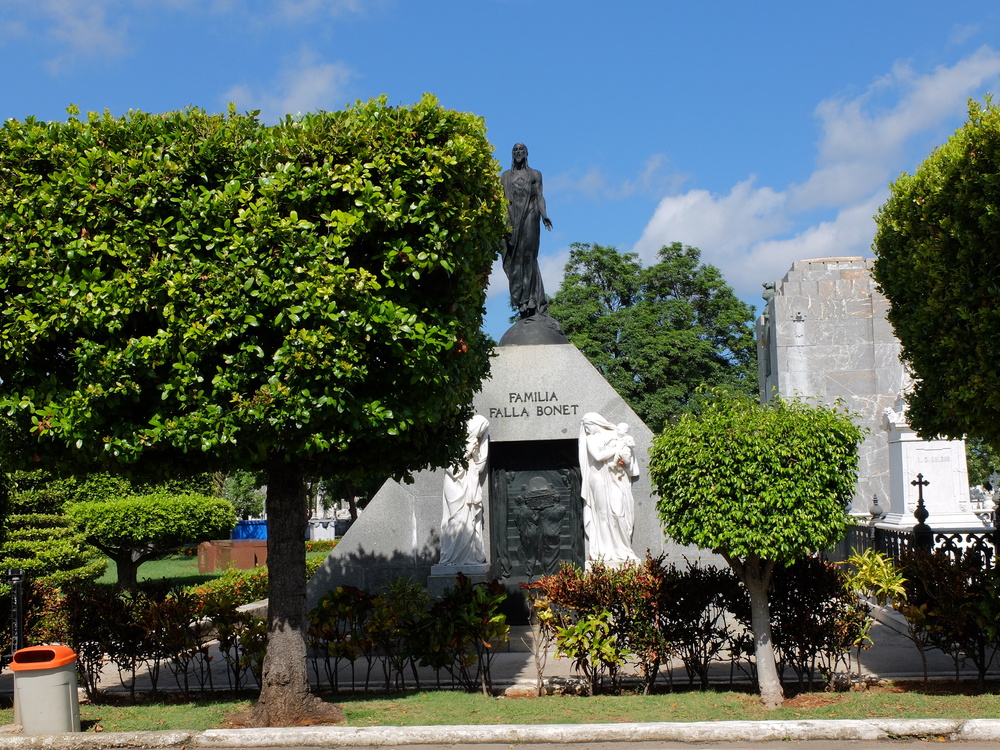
42	657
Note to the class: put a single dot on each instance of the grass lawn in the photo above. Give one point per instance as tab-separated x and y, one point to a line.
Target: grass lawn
180	569
893	700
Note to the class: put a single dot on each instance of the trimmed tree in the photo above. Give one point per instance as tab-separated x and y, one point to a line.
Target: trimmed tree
135	529
936	248
660	333
40	539
762	486
202	291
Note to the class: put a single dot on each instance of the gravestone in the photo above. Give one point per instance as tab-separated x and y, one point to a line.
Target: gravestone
941	463
824	334
539	389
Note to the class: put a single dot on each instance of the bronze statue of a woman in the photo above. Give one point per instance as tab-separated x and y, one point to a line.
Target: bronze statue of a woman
522	187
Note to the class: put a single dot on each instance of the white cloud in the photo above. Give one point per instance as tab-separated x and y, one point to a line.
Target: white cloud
849	233
552	264
962	34
754	233
297	10
727	224
652	179
863	146
307	85
80	28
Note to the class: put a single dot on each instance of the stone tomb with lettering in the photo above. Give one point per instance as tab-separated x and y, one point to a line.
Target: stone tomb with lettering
533	400
941	463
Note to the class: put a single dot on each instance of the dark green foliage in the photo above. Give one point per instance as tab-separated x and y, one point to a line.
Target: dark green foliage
982	461
337	632
649	611
695	622
744	479
952	603
204	285
158	627
936	247
242	489
399	626
658	333
761	485
462	630
49	551
816	618
162	521
200	292
42	491
41	539
136	528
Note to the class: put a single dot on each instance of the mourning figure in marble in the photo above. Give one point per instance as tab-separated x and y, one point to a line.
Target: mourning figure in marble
608	464
462	518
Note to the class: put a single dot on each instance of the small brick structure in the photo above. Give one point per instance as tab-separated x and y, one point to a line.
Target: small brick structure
231	553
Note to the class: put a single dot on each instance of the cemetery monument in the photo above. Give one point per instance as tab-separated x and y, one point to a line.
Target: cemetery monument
823	333
555	468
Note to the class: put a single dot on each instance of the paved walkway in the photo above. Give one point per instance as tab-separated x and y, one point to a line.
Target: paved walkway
892	656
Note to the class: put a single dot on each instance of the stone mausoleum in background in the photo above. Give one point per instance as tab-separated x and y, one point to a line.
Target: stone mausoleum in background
824	334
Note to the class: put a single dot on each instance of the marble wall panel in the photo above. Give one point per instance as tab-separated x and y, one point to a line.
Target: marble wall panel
826	332
850	384
841	357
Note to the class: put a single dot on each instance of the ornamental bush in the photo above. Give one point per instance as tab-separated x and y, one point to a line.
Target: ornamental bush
137	528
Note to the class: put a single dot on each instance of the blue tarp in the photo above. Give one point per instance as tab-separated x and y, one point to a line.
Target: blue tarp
250	530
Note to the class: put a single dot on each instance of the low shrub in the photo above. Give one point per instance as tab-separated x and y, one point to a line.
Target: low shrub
399	626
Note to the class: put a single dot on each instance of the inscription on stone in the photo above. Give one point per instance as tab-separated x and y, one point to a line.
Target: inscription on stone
527	404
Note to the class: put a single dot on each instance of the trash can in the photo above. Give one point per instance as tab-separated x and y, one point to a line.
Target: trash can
45	697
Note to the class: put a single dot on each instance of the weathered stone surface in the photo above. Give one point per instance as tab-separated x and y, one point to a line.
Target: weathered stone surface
824	334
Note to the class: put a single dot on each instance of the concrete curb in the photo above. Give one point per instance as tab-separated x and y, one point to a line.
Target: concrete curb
715	731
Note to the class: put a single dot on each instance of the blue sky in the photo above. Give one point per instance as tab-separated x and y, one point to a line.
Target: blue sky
761	133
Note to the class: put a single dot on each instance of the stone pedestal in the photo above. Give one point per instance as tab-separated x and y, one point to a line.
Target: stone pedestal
444	576
942	464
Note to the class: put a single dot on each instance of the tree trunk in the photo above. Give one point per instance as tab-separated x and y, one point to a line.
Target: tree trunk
756	576
127	571
285	699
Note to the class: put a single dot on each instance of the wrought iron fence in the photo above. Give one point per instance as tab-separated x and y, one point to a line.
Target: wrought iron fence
896	542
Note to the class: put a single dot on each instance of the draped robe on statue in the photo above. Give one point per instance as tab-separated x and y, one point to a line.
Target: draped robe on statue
523	190
608	465
462	519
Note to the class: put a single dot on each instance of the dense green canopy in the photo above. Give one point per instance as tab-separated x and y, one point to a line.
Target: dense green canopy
937	253
657	333
201	285
136	528
761	485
